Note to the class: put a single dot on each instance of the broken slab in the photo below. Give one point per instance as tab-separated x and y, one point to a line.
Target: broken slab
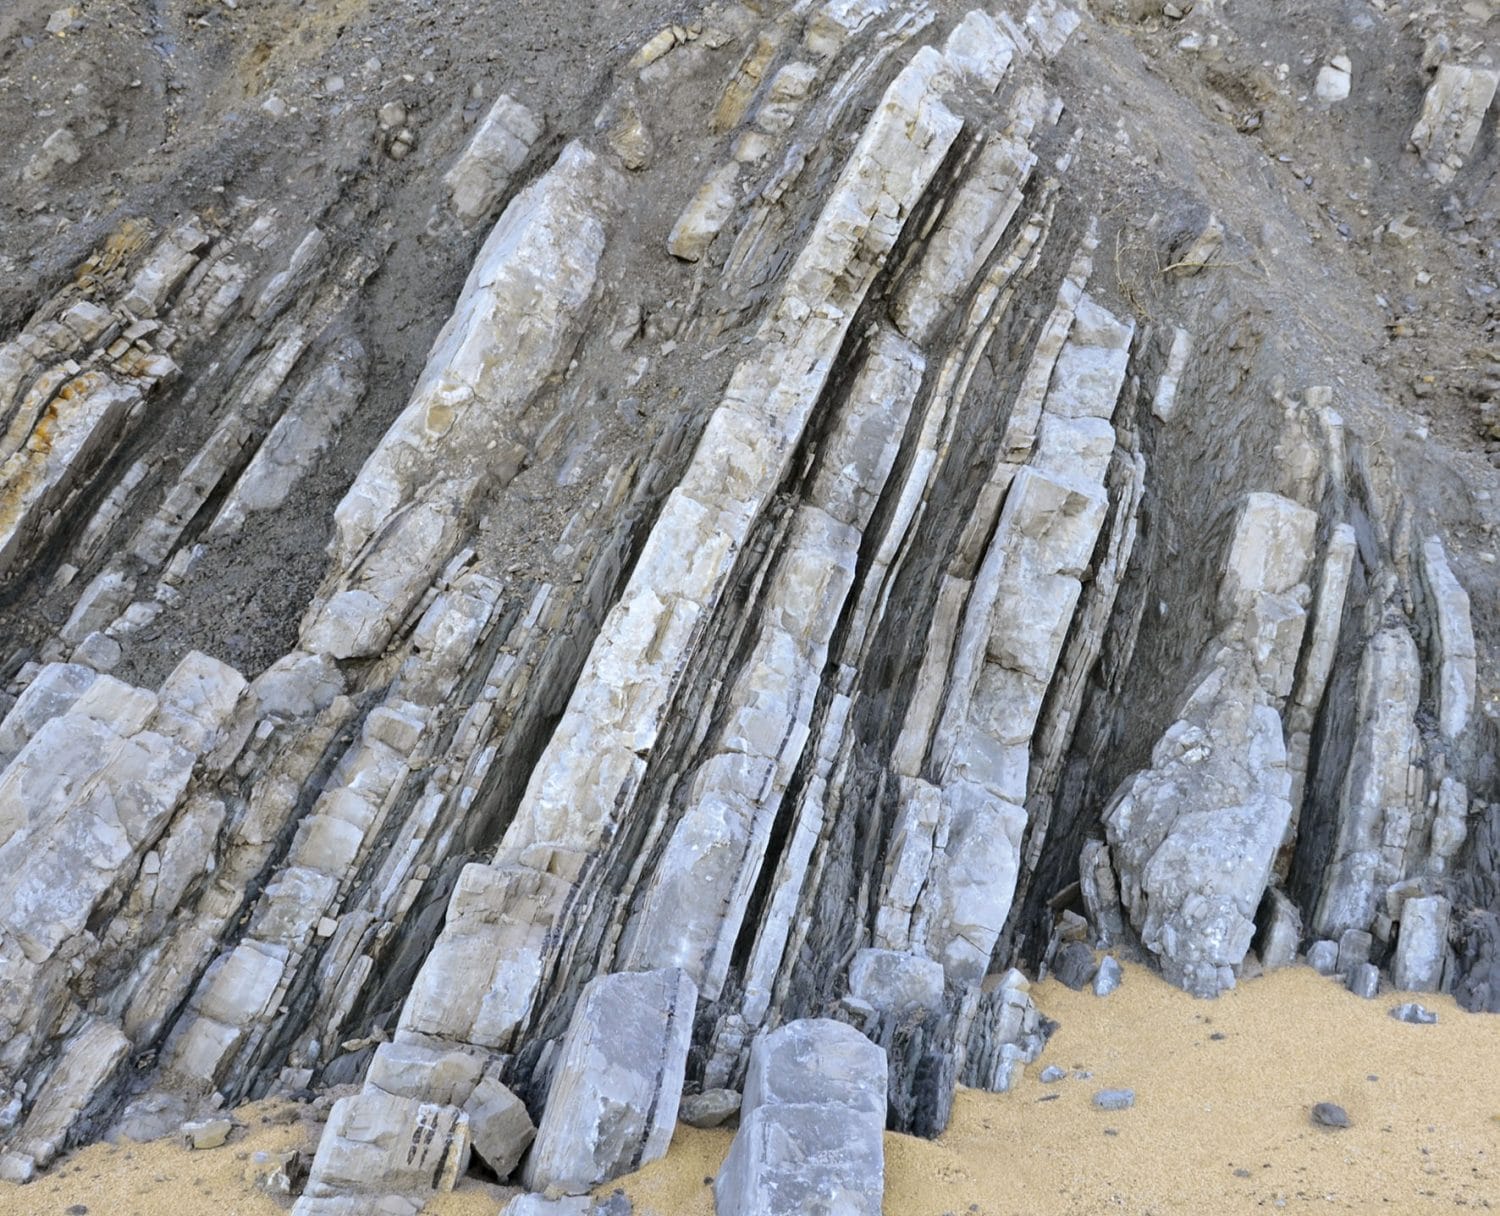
1422	944
1453	111
811	1126
612	1102
498	148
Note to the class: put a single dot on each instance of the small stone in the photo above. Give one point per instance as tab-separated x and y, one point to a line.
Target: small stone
334	84
1323	957
1333	79
1074	965
1115	1099
1108	977
1364	981
206	1133
274	106
61	18
1052	1073
1327	1114
1417	1015
711	1108
392	115
99	651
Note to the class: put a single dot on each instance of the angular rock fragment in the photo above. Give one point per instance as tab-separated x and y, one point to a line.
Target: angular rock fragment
612	1102
711	1108
1452	112
402	1145
810	1127
1422	944
500	1128
708	212
499	146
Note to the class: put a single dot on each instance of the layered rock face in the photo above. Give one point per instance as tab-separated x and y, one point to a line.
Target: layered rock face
772	615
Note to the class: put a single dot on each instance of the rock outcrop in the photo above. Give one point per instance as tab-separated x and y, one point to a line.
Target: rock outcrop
824	546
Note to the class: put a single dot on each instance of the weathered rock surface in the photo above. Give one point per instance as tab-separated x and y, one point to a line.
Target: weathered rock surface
811	1126
617	1081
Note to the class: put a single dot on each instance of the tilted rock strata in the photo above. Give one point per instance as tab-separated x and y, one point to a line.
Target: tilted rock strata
714	693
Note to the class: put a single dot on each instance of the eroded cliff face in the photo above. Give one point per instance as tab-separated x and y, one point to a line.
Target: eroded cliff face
898	488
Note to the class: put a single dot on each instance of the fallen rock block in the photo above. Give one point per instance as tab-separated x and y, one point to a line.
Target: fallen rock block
499	1126
206	1133
1422	944
711	1108
1452	114
612	1103
811	1126
404	1143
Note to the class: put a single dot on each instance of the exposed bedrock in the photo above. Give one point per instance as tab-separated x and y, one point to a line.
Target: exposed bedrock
829	549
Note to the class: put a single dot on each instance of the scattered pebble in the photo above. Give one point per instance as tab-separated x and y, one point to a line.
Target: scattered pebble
1052	1073
1418	1015
1328	1114
1108	977
1115	1099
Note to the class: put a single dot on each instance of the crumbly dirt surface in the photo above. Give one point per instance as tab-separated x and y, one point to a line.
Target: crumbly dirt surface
201	106
1221	1123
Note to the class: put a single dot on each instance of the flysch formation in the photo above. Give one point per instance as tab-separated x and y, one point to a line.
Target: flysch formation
917	604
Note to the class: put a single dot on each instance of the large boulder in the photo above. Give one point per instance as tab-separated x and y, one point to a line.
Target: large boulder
612	1102
810	1126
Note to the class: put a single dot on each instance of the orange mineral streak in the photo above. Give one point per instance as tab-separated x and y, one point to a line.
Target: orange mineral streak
21	473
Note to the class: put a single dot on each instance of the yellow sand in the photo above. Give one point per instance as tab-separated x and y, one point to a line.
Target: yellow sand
1426	1134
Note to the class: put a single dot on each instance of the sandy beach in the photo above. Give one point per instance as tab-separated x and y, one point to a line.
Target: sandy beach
1221	1122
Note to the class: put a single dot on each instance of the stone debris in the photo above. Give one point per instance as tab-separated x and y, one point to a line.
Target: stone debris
1007	1033
1327	1114
1108	977
1228	739
1114	1099
500	1127
708	212
495	152
810	1127
1074	965
278	1174
612	1103
711	1108
1323	957
1364	981
207	1133
1452	113
1422	944
1334	79
1417	1015
1052	1074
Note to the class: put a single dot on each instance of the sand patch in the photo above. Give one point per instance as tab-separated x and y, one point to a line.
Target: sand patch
1220	1125
1223	1090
